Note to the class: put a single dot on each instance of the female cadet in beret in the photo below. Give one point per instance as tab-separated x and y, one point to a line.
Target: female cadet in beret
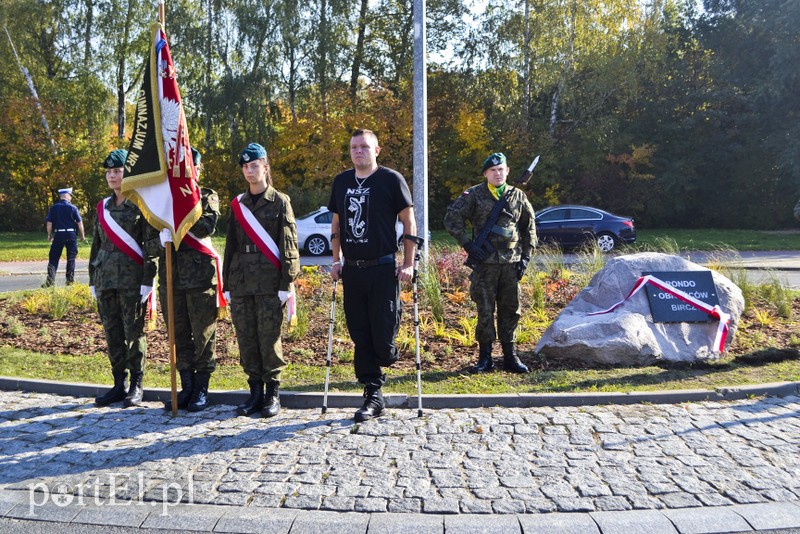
261	261
121	273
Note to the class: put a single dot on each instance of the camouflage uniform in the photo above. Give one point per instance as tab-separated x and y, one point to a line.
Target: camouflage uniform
254	282
495	279
117	280
194	287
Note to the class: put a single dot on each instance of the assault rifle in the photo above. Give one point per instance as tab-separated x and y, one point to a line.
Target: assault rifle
482	241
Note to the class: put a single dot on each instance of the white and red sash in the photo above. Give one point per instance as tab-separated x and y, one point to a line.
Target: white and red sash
205	246
256	232
713	311
121	239
126	243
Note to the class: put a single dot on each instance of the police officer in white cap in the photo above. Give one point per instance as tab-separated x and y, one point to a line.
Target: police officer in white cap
63	225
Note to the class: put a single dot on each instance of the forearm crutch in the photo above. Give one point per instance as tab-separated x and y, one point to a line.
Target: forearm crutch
419	242
330	348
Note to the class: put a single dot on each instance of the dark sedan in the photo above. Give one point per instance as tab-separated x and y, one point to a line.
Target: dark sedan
574	226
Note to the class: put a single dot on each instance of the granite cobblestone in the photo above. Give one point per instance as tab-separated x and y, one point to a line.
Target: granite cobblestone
479	461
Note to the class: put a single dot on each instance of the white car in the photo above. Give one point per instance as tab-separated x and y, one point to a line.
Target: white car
314	231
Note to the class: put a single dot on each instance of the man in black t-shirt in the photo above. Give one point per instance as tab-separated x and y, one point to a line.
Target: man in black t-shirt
366	201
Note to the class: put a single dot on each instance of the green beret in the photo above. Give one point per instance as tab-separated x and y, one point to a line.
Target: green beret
251	152
116	159
196	157
498	158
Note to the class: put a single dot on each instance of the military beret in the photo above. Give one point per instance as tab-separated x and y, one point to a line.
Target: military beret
251	152
65	191
116	159
196	157
498	158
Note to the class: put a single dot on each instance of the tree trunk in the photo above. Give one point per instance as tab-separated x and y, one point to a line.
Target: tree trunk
358	57
562	80
322	58
526	74
87	58
123	54
209	29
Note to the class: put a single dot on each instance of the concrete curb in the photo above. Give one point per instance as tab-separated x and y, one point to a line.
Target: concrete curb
25	506
306	400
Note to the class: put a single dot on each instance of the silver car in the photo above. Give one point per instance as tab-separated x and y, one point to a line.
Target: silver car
314	231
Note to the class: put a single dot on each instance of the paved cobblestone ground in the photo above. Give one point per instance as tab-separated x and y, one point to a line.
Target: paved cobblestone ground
500	461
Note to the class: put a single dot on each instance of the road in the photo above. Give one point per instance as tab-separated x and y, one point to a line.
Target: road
760	266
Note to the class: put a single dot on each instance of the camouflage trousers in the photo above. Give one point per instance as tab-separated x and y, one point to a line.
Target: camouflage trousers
195	319
496	283
257	320
122	314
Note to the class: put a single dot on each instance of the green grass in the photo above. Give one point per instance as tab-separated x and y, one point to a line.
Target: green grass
32	246
775	366
29	246
714	239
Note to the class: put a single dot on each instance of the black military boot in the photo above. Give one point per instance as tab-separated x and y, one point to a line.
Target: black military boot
185	394
115	394
70	272
256	400
272	400
511	360
373	404
199	401
135	391
51	277
485	362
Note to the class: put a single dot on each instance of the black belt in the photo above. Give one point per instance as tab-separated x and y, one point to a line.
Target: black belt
249	249
383	260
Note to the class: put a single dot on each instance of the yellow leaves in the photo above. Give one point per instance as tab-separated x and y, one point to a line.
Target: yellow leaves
472	132
457	296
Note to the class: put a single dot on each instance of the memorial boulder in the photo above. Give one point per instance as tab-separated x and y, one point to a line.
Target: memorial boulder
628	335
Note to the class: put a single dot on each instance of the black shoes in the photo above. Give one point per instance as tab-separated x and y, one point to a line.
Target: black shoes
256	400
374	406
135	391
116	393
272	401
511	360
199	400
185	394
485	362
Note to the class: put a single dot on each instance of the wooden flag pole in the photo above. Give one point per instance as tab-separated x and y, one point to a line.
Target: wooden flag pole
170	296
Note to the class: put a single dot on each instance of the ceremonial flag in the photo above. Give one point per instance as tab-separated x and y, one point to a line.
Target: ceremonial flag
160	176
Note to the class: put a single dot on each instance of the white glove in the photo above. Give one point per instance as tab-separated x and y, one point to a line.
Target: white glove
166	237
284	296
145	291
93	292
227	295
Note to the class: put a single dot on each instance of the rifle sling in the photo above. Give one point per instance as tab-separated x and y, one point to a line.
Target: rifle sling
499	206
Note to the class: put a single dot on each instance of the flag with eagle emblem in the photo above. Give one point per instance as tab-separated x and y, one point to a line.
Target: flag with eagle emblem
160	176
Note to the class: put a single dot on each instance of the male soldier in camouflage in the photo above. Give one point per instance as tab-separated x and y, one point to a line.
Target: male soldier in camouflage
261	262
121	279
496	276
194	288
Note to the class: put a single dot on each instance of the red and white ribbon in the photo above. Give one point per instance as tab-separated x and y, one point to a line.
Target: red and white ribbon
127	244
256	232
713	311
121	239
205	246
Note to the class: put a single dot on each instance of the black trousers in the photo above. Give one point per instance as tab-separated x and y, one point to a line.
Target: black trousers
61	240
372	308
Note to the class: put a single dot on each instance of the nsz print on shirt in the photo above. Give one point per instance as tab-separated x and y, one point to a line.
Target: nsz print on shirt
357	206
